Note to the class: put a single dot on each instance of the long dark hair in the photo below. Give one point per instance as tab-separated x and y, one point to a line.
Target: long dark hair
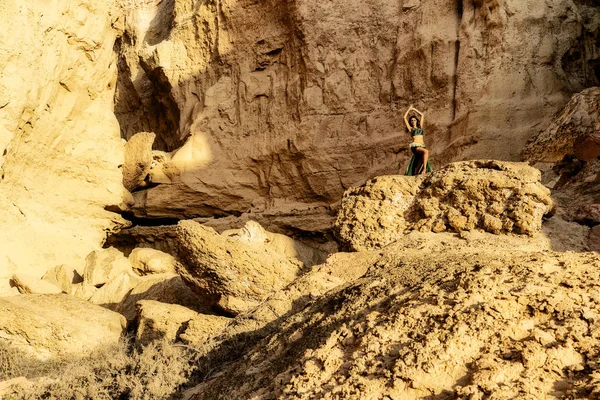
418	121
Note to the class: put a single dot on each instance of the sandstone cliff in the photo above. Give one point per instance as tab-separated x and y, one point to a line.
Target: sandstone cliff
60	148
278	107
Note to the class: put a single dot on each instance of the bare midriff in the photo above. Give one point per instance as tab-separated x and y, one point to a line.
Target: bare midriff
418	139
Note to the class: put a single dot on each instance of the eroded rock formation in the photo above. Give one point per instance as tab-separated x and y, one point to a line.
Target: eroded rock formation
233	273
574	131
498	197
60	148
437	315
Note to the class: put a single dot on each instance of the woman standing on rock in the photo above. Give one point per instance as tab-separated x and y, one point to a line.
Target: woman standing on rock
419	163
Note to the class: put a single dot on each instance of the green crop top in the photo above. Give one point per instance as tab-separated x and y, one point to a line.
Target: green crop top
416	132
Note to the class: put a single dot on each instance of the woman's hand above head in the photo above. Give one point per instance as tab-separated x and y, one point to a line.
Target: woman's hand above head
422	121
408	127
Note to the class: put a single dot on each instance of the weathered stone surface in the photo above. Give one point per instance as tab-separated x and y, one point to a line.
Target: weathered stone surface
9	291
57	325
593	241
103	265
497	197
203	327
470	301
31	285
578	122
314	105
113	292
254	234
60	147
63	277
229	273
587	147
588	214
166	288
160	321
11	388
313	228
138	160
150	261
83	291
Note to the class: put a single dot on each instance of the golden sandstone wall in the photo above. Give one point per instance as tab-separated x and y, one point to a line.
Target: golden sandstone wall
283	105
59	139
269	107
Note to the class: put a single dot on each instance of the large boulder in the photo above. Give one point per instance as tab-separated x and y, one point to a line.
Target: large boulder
57	325
232	274
113	292
63	276
147	261
497	197
30	285
167	288
253	233
160	321
103	265
203	327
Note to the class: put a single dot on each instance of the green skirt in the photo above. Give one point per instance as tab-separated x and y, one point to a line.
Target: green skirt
416	162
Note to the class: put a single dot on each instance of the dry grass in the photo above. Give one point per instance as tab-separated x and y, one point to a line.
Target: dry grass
121	372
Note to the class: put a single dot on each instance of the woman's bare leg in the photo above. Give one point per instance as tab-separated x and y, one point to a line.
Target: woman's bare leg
425	157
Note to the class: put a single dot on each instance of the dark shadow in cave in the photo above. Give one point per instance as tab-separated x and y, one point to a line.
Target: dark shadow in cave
146	103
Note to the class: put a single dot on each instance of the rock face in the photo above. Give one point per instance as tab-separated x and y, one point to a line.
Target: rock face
63	277
281	106
202	328
165	288
57	325
252	233
232	274
574	131
171	322
497	197
60	148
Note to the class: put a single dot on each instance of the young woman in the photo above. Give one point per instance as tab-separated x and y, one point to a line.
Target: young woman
419	163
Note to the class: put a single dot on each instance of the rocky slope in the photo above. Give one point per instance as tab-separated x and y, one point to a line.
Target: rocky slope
436	317
567	152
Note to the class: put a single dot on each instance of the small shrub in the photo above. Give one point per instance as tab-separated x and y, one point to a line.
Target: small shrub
15	363
121	372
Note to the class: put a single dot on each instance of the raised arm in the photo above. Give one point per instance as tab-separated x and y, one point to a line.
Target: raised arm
406	118
422	117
